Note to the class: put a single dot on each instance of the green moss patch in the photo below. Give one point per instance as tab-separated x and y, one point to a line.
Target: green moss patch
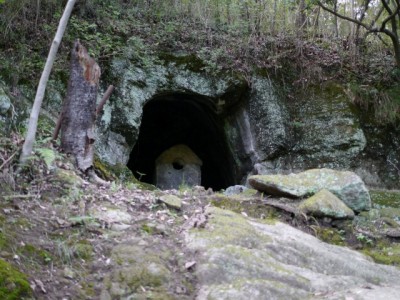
13	283
242	204
83	249
331	236
120	172
384	253
35	254
3	241
384	198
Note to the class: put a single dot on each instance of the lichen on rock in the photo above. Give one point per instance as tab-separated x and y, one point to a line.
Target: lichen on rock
240	258
346	185
326	204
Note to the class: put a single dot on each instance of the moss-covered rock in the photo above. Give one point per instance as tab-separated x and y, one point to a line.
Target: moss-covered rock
347	186
241	258
137	272
269	119
326	204
244	203
121	172
327	129
14	285
66	179
171	201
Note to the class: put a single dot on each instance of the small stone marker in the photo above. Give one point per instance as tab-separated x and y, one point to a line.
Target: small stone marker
178	166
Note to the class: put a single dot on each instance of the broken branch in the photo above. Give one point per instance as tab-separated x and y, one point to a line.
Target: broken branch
103	101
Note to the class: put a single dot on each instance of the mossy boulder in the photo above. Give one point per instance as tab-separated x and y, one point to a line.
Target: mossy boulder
326	204
347	186
14	285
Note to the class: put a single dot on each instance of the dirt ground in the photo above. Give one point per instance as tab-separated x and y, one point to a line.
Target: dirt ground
60	229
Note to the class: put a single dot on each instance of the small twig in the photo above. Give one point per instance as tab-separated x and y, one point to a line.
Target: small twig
103	101
8	160
390	162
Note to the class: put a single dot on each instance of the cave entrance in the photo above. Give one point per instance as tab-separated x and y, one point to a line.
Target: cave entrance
176	119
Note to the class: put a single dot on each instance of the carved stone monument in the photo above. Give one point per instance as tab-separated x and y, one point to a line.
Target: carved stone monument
177	166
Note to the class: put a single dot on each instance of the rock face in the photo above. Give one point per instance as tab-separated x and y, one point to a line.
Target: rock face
138	85
327	131
326	204
173	78
243	259
269	119
263	130
347	186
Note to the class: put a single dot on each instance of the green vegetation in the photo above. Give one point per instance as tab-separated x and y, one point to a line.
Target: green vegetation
330	235
384	253
246	36
385	198
14	285
33	254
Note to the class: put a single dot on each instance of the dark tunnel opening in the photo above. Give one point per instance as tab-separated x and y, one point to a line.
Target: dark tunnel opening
183	119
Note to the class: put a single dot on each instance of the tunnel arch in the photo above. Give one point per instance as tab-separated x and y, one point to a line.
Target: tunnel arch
178	118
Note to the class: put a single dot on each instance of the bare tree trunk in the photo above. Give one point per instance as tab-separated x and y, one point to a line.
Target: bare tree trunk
79	110
335	19
32	126
274	13
316	22
301	18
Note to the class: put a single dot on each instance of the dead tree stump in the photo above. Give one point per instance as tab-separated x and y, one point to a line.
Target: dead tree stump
79	108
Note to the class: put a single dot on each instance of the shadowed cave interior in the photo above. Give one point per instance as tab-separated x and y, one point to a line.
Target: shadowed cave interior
170	120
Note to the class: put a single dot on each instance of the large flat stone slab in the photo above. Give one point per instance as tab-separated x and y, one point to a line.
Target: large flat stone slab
239	258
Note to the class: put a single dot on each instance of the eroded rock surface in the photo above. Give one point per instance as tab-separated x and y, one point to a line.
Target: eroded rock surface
242	259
